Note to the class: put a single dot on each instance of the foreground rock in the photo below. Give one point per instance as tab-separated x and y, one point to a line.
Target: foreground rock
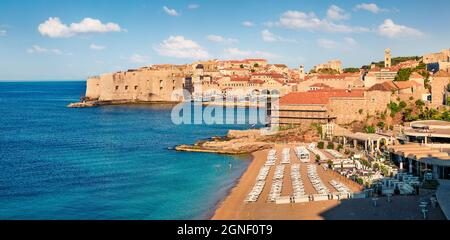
227	147
249	141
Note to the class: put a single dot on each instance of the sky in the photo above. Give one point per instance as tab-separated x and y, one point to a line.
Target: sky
72	40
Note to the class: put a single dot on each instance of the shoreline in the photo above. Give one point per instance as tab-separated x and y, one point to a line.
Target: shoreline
90	104
233	207
220	203
98	103
210	214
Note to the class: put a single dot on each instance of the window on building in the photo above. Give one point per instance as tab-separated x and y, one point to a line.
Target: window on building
135	87
126	87
117	87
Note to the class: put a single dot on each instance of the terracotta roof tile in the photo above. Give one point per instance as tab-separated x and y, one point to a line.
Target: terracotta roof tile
385	86
405	84
320	97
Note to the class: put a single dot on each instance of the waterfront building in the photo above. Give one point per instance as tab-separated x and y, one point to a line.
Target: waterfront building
379	75
338	81
427	149
340	106
439	85
442	56
433	133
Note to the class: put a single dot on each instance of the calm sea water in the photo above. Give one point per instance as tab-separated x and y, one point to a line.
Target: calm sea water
103	163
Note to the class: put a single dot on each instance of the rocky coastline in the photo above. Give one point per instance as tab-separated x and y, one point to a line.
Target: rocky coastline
97	103
238	142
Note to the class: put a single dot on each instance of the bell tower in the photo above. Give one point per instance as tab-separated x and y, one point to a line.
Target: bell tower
387	58
301	72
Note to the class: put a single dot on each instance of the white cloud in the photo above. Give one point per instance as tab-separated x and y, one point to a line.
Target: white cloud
268	36
38	49
235	52
136	58
371	7
54	28
3	33
336	13
193	6
220	39
94	46
391	30
179	47
170	11
248	24
350	41
309	21
327	43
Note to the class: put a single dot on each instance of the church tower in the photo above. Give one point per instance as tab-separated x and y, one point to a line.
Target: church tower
387	58
301	72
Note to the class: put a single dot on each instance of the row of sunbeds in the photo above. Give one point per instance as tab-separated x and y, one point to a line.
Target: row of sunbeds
335	153
297	183
317	152
316	181
302	154
286	156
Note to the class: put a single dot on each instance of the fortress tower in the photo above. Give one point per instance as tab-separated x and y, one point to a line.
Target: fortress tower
387	58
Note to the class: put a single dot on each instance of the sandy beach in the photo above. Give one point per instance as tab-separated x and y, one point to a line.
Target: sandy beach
234	207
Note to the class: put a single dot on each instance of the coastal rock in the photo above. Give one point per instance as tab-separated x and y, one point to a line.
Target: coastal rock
227	147
82	105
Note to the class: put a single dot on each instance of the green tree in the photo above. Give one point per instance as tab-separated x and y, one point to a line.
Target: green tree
328	71
369	129
419	103
330	145
350	70
403	74
330	164
320	145
317	159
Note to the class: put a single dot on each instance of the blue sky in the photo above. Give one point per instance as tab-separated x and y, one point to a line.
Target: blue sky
63	40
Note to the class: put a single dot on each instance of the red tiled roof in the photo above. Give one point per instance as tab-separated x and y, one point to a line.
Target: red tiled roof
272	74
257	81
330	76
405	84
320	85
415	75
320	97
385	86
235	69
240	79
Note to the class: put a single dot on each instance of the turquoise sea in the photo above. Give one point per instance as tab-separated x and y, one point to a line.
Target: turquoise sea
109	162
